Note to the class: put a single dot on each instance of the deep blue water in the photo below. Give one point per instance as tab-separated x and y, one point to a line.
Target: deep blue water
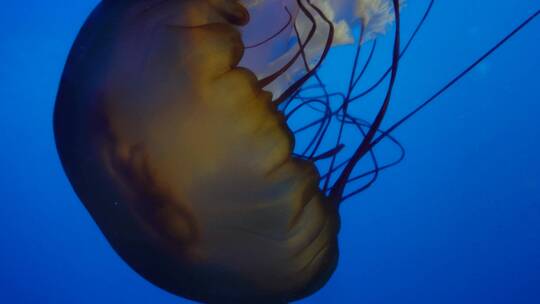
457	222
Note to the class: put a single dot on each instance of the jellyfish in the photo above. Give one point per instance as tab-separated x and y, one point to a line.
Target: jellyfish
171	122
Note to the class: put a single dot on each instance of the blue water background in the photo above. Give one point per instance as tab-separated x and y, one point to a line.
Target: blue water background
457	222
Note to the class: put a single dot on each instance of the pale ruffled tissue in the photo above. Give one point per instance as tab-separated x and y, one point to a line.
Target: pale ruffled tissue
373	17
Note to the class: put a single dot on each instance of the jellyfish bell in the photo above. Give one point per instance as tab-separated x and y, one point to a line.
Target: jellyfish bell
183	160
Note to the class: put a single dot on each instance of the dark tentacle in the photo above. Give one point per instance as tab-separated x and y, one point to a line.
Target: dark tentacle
337	192
293	88
458	77
281	30
269	79
403	52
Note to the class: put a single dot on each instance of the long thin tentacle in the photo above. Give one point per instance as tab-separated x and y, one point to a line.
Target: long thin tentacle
293	88
281	30
337	191
458	77
269	79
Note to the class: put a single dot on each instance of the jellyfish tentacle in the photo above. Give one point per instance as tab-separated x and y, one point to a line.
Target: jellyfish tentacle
339	186
355	60
293	88
371	152
328	153
346	101
302	52
458	77
328	118
374	135
387	132
419	26
316	141
269	79
391	164
354	80
281	30
309	125
349	119
377	169
323	123
366	64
